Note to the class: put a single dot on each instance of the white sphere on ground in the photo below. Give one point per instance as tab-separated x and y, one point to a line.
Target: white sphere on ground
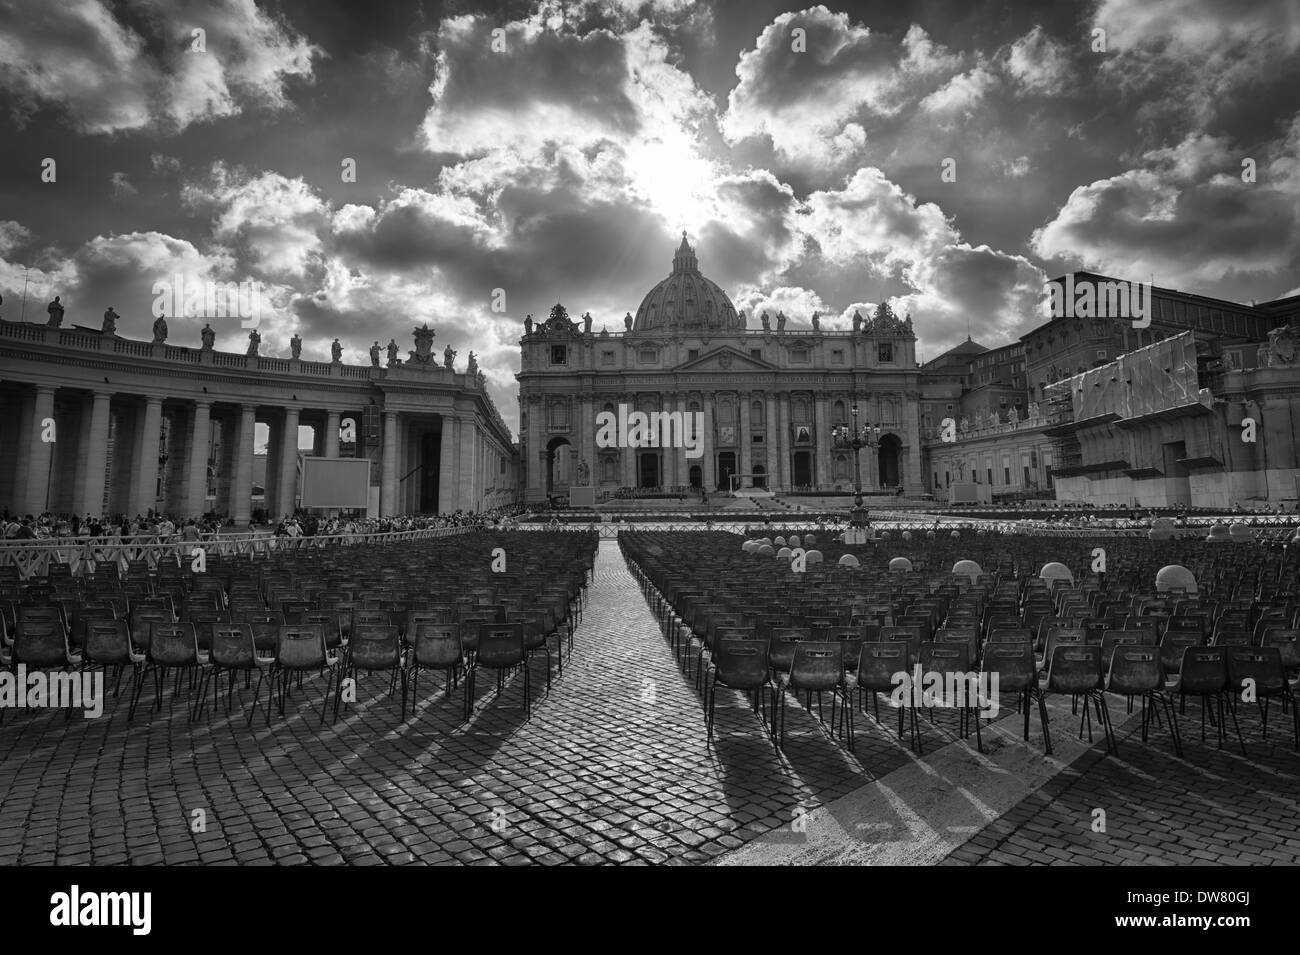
848	560
1175	576
907	535
884	535
780	541
1056	571
814	557
809	540
785	553
793	541
955	534
968	569
765	550
900	565
1219	533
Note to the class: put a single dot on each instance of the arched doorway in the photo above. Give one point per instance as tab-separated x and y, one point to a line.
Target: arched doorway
760	476
803	469
890	448
697	476
555	472
648	469
726	468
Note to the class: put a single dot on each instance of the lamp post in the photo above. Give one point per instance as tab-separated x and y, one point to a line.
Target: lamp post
855	439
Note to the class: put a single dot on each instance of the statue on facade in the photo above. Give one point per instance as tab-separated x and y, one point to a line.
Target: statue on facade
295	346
423	354
336	352
627	322
857	322
448	356
767	322
604	332
1231	361
964	425
55	310
1013	416
471	367
160	330
586	323
528	324
254	342
584	473
209	337
780	321
110	322
374	354
393	360
480	379
816	322
1033	411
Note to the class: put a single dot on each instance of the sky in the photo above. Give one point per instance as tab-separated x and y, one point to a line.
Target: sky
946	156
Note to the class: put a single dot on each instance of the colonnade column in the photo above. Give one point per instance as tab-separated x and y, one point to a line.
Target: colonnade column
743	443
95	456
330	445
241	491
388	477
783	442
447	476
772	434
145	491
39	452
820	419
287	480
196	475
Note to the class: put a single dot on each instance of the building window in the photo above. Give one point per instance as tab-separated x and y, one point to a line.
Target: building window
885	352
1101	353
607	357
837	356
757	439
559	355
692	354
799	356
949	407
647	356
800	410
607	470
756	353
756	413
837	412
990	470
559	416
1006	474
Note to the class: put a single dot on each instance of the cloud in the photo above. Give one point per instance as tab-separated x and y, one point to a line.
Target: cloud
122	188
12	234
1039	64
112	69
1185	215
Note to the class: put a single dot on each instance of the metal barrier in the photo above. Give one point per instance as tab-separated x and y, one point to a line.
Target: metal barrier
85	555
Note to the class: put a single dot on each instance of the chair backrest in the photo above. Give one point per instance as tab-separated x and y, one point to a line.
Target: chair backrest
1110	639
944	657
500	645
781	646
1262	666
1133	668
1287	643
1172	645
742	663
300	647
1014	664
817	665
438	645
107	642
1203	670
375	646
879	663
1074	668
173	644
233	646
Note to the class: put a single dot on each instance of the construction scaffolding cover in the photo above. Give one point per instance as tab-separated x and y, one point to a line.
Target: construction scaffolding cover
1159	377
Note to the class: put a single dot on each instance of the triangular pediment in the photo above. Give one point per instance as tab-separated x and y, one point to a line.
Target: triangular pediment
725	359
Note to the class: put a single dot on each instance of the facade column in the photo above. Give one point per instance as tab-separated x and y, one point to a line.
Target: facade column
823	437
144	494
39	452
468	453
587	436
330	446
447	476
710	446
783	441
241	491
743	443
535	479
628	454
770	433
287	481
90	482
683	464
388	475
20	462
196	473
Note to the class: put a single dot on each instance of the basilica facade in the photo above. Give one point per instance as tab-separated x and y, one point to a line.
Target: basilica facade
768	398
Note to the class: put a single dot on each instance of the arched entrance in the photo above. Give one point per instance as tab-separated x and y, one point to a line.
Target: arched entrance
890	452
803	469
760	476
697	476
726	468
648	473
555	471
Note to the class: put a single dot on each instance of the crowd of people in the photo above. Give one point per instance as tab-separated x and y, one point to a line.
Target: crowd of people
163	528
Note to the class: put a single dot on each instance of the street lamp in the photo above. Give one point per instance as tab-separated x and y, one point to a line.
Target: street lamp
855	439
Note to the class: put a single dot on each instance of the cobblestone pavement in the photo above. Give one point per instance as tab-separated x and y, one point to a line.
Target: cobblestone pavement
612	766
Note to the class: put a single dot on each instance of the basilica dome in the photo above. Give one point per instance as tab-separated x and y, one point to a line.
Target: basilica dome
686	300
